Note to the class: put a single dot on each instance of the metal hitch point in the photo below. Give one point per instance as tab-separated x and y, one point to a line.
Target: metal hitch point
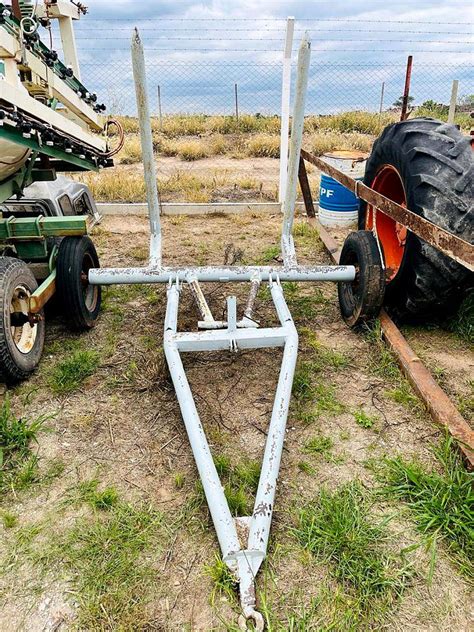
245	557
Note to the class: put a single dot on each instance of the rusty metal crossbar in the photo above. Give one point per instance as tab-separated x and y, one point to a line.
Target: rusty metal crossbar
451	245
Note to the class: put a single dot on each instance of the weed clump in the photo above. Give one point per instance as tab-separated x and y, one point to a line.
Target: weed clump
108	564
441	503
18	463
338	529
240	483
224	583
70	373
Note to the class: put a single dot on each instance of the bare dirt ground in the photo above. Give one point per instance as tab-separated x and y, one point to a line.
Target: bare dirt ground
123	428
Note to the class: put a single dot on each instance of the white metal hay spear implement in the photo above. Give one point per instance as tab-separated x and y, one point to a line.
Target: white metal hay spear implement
244	558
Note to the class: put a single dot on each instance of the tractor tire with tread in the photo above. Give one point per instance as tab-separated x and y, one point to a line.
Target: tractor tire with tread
435	163
21	346
79	302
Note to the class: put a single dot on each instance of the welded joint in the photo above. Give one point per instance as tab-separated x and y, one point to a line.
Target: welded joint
288	252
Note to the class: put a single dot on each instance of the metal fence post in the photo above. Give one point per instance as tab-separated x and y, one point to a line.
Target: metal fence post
452	103
289	202
285	106
236	102
381	97
160	114
406	91
153	200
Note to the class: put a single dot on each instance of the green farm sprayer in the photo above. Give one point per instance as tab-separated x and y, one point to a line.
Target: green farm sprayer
49	123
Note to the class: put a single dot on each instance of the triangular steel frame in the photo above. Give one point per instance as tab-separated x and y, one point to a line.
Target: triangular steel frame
243	561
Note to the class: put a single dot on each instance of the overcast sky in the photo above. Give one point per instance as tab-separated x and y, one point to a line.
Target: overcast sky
196	51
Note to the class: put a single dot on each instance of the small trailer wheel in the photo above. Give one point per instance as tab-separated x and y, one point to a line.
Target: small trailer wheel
78	300
361	300
21	341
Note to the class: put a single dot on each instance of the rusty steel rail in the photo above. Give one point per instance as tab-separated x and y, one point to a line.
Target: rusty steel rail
449	244
442	410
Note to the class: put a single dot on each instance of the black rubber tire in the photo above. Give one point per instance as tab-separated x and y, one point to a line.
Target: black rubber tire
79	302
360	301
16	365
435	162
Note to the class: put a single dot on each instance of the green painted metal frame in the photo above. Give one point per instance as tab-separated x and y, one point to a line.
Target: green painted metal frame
8	132
32	228
12	25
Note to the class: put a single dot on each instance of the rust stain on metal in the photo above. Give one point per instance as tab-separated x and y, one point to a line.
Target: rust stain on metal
406	91
451	245
305	189
441	408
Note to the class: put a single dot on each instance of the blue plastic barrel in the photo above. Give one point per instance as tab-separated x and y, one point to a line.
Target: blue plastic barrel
337	205
334	197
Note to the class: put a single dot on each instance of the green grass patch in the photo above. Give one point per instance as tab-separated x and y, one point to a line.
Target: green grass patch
271	254
363	419
88	492
323	357
306	467
179	480
240	483
338	529
224	582
68	374
383	364
404	395
107	562
322	447
318	445
18	463
326	401
304	307
441	502
466	403
313	397
9	520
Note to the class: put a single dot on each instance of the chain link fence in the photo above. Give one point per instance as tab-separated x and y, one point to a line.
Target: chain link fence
230	88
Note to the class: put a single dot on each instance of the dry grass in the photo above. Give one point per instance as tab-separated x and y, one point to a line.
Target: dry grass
176	126
263	146
363	122
322	142
192	150
256	145
132	150
110	186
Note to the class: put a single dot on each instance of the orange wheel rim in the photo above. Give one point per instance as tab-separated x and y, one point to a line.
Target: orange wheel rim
391	235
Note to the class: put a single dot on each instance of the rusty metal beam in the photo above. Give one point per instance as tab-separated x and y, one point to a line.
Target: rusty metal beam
406	91
451	245
440	407
305	189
